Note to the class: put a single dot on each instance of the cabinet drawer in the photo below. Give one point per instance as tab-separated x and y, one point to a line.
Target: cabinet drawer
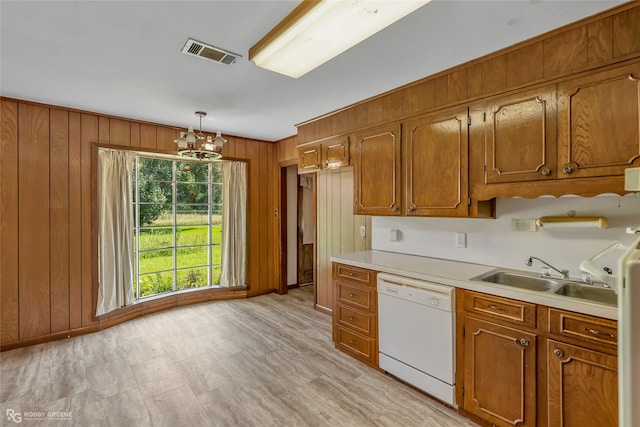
582	327
356	296
519	312
362	346
363	323
354	274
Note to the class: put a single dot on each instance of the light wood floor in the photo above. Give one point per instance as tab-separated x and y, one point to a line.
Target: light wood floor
264	361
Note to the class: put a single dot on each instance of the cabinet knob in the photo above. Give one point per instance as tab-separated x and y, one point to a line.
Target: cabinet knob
558	352
353	319
524	342
353	342
545	171
350	274
569	168
352	295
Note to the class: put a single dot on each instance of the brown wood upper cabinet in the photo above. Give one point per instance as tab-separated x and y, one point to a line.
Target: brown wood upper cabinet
377	171
327	154
598	122
521	137
436	164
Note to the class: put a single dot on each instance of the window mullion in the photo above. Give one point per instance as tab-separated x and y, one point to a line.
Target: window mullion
174	206
137	214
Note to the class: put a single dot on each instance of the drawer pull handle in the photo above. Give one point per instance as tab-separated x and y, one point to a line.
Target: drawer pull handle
524	342
352	341
351	274
597	332
352	295
353	319
496	308
558	352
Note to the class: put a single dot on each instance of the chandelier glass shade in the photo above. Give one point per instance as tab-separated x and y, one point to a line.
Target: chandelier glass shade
197	145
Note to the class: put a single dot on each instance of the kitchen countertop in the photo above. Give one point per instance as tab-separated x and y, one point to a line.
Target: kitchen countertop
458	273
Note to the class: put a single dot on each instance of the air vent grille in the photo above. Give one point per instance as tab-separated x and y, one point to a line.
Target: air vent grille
212	53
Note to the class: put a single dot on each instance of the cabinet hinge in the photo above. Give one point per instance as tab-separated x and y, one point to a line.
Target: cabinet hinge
462	391
464	330
468	201
484	168
484	117
468	120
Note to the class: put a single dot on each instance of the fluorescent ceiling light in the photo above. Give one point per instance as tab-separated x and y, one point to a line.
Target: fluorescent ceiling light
317	31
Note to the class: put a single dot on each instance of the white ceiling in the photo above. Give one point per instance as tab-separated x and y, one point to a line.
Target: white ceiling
123	58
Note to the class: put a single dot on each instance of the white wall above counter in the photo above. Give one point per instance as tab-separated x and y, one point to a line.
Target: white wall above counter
491	241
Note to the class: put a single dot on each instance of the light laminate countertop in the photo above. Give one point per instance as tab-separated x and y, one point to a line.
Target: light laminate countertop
458	274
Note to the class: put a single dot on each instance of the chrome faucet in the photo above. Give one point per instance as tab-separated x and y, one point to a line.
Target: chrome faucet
564	273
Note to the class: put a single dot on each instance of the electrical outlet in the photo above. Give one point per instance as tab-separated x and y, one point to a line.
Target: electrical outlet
461	240
363	231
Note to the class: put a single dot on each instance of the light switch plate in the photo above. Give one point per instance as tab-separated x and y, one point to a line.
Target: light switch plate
461	240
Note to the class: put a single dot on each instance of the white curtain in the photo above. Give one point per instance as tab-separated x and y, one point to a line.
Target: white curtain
234	224
115	232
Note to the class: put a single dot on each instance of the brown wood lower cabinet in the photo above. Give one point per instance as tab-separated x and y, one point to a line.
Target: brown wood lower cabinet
355	314
500	373
582	386
521	364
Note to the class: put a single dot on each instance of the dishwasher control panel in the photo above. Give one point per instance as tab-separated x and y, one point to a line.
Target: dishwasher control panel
420	292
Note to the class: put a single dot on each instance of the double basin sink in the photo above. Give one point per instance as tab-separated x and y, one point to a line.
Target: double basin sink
564	287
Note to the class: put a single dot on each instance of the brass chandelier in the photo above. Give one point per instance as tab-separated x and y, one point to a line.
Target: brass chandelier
209	149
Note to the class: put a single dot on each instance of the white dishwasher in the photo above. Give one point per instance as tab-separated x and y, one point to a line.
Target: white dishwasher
416	334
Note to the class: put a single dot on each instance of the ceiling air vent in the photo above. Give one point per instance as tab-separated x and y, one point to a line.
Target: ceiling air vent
202	50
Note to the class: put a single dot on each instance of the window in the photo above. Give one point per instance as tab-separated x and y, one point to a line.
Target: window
178	225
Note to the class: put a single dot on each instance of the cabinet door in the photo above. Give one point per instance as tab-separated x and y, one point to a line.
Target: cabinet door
598	123
499	373
521	137
335	152
309	158
582	387
436	163
377	171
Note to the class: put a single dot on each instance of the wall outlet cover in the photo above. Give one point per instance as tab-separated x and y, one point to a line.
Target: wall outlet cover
461	240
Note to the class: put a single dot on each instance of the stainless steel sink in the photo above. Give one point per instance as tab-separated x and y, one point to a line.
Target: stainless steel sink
588	292
518	280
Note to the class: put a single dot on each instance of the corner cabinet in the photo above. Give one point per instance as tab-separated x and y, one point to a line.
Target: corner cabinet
436	164
355	314
327	154
599	123
377	171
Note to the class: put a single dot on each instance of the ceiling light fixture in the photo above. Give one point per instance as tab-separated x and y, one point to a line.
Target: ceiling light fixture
210	149
317	31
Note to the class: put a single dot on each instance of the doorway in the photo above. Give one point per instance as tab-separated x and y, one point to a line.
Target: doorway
297	228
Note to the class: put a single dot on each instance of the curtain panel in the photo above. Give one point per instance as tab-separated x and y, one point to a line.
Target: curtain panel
115	232
234	220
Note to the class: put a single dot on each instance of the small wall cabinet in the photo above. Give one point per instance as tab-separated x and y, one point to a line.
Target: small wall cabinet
436	164
521	137
377	167
328	154
599	123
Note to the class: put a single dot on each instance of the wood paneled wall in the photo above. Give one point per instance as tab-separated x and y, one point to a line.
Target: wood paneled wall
610	37
47	234
338	229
